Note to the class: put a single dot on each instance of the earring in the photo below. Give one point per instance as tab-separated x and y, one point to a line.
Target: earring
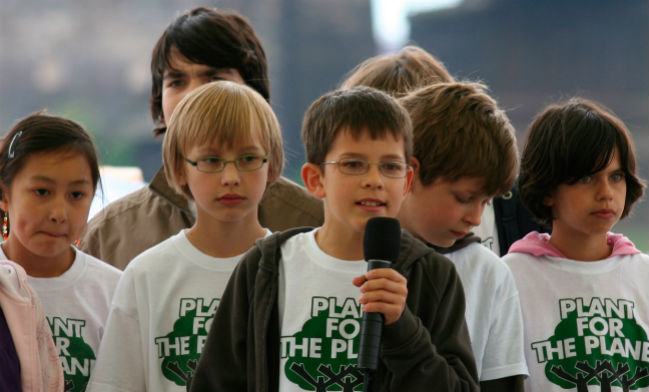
77	242
5	227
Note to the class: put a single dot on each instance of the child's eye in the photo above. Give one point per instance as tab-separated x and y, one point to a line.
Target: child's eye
584	180
174	82
247	158
352	164
42	192
462	200
212	160
617	177
77	195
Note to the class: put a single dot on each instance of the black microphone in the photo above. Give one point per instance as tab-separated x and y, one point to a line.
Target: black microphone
381	245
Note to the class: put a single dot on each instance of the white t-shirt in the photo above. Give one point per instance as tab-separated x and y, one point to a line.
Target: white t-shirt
320	333
487	230
76	306
586	323
160	317
493	312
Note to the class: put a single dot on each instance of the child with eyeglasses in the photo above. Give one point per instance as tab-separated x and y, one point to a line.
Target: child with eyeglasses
290	316
222	148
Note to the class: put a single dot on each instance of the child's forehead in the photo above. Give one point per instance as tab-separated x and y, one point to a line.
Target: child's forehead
225	142
471	184
352	136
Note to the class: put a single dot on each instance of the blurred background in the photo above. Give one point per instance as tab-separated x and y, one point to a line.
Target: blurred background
89	61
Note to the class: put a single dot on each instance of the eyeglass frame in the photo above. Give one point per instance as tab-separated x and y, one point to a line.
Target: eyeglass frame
225	163
337	163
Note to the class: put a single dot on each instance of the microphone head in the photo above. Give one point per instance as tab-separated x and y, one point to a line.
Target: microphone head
382	239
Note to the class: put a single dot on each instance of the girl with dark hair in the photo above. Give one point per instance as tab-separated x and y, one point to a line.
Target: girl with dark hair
48	177
583	289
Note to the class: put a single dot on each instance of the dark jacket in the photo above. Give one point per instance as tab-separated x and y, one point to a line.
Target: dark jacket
427	349
513	220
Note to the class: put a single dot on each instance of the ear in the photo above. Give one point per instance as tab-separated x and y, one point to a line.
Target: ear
4	200
272	178
313	178
548	201
412	174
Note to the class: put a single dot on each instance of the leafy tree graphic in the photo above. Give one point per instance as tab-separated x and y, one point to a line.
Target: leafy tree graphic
599	367
325	373
179	368
76	355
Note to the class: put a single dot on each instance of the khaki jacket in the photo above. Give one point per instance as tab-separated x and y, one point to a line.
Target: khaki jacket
146	217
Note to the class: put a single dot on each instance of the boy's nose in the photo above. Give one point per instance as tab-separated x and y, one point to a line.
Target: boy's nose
230	174
373	178
474	214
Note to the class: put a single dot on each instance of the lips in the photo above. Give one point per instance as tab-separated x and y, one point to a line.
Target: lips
53	235
459	234
604	213
230	199
371	204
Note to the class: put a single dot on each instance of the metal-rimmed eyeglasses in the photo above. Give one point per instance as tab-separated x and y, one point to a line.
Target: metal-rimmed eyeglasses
244	163
357	167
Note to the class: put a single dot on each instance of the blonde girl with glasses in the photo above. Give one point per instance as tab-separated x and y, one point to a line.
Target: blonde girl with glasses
222	148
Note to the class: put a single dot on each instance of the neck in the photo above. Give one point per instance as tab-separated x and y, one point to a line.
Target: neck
345	246
39	266
224	239
582	248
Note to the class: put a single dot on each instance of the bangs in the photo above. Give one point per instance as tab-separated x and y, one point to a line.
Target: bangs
590	147
230	124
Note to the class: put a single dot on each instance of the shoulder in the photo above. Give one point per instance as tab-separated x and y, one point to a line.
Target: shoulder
123	205
421	264
479	259
286	204
97	268
158	254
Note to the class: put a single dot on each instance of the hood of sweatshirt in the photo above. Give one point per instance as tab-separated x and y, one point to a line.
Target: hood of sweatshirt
538	244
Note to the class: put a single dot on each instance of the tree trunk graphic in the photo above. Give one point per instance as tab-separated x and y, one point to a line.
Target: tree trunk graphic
627	383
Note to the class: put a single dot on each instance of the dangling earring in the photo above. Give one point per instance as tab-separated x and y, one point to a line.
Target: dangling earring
5	227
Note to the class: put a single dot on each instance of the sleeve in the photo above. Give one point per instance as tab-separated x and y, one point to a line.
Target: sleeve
120	362
504	355
223	365
437	351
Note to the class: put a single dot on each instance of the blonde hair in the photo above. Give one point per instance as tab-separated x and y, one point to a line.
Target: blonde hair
225	111
399	73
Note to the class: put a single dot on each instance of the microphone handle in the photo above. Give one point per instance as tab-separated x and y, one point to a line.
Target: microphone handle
371	329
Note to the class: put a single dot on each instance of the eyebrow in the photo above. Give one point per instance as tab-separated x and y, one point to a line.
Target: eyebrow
175	73
390	157
240	150
49	180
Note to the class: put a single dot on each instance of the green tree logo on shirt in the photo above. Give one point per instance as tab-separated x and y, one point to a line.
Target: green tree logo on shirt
596	343
76	355
181	348
322	356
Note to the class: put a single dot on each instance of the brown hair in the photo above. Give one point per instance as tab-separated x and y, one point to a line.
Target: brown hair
396	74
225	111
356	110
216	38
459	131
567	142
44	133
